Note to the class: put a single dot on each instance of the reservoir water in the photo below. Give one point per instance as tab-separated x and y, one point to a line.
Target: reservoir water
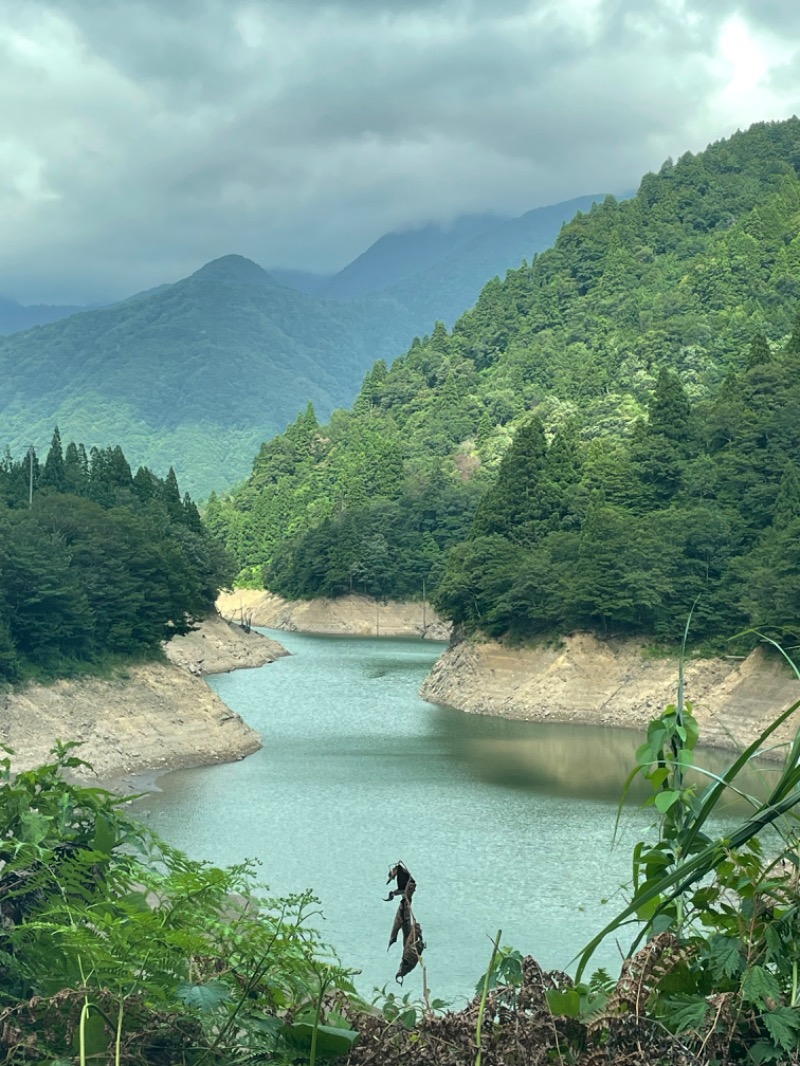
503	824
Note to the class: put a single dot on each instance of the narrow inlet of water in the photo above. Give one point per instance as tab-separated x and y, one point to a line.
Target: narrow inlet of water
504	825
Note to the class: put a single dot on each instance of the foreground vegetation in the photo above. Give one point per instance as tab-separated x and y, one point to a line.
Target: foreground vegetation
116	948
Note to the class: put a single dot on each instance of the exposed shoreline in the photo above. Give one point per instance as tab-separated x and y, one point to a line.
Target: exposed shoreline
614	683
148	719
580	680
156	717
357	616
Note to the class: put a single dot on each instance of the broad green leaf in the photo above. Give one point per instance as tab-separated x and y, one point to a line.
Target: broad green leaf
564	1004
759	986
665	799
34	827
659	776
647	910
104	836
725	956
205	998
764	1051
95	1037
683	1013
692	730
783	1024
264	1023
645	755
330	1041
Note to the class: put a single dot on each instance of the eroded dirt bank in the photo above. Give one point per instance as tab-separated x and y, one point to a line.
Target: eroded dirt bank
218	646
354	615
614	683
151	717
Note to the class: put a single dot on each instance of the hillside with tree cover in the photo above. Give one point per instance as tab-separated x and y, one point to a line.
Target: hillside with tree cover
15	317
197	374
194	374
647	370
97	565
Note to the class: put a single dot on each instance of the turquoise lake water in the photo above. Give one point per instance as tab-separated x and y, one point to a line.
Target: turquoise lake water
505	825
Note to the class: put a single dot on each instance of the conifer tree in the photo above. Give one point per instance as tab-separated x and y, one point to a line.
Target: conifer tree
53	475
76	469
759	352
516	502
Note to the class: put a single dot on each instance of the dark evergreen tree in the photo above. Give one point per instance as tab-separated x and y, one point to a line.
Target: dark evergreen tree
519	501
76	470
663	444
793	344
759	351
81	578
110	479
53	475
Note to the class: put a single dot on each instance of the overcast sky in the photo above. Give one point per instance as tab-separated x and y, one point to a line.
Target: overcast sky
141	139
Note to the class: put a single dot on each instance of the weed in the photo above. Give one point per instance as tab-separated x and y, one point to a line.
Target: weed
116	947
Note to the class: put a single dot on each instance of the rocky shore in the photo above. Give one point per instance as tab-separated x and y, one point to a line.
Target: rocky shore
149	717
582	679
358	616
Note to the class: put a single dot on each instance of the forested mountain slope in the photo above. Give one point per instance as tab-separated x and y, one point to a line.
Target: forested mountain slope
15	317
675	307
199	373
446	289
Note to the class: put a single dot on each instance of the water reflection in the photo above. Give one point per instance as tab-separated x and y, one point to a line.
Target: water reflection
562	759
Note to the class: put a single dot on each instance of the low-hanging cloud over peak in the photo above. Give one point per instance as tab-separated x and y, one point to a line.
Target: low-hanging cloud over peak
142	139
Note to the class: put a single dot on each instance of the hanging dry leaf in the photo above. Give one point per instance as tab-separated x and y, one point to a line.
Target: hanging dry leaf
404	921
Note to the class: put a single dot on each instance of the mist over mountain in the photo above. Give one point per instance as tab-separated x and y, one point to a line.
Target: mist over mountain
451	285
15	316
394	257
302	280
197	374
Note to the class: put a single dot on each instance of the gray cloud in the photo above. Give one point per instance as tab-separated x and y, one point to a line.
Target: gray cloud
141	139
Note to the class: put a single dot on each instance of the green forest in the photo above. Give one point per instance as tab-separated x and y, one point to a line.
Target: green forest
644	369
197	373
96	563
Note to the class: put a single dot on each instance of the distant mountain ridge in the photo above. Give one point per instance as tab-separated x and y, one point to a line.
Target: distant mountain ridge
199	373
449	287
302	280
15	317
399	255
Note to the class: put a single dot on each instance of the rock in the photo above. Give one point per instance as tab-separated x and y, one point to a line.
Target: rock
356	615
153	716
586	680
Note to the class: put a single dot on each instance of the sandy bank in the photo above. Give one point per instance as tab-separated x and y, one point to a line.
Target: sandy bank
356	615
150	717
216	647
613	683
